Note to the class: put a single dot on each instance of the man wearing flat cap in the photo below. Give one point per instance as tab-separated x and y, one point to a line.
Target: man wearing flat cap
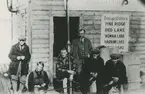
81	49
115	73
19	53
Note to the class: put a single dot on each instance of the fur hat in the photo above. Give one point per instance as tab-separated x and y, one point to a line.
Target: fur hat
95	51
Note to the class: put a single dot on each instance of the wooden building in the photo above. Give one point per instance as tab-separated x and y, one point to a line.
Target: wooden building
44	24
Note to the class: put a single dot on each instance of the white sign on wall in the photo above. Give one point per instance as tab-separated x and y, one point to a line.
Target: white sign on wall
115	31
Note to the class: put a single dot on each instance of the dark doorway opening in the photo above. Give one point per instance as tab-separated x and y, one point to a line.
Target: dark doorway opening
61	34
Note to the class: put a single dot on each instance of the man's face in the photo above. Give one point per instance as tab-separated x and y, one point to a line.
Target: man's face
39	67
63	53
21	42
82	33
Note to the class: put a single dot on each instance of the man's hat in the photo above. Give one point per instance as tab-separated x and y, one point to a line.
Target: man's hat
95	51
114	56
22	37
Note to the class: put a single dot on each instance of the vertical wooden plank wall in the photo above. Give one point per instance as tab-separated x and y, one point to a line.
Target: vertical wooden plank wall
137	23
19	24
40	21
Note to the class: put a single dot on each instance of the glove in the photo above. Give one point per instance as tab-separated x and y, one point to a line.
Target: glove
94	74
18	57
71	72
115	79
71	77
37	86
43	85
22	57
110	83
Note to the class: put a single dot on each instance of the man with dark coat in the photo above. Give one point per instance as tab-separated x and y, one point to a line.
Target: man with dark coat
115	73
81	49
92	70
19	54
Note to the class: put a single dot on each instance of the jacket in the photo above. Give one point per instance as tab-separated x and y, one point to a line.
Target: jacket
117	69
92	65
15	51
81	50
37	78
62	66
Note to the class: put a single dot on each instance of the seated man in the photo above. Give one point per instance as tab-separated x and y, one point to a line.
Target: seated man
115	73
63	73
38	80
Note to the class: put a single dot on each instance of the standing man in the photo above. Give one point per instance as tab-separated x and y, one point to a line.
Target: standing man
19	56
81	48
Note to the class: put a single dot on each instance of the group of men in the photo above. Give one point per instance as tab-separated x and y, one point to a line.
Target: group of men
88	66
36	82
82	66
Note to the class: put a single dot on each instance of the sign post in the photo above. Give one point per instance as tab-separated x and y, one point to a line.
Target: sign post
68	44
115	31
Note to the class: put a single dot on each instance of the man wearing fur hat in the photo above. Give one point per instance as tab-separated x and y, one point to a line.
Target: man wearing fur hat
19	56
92	71
115	73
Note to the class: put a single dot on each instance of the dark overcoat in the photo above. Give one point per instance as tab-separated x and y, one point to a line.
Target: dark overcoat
117	69
15	51
95	66
78	47
80	50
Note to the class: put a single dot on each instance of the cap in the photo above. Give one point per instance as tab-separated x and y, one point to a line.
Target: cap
114	56
22	37
95	51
